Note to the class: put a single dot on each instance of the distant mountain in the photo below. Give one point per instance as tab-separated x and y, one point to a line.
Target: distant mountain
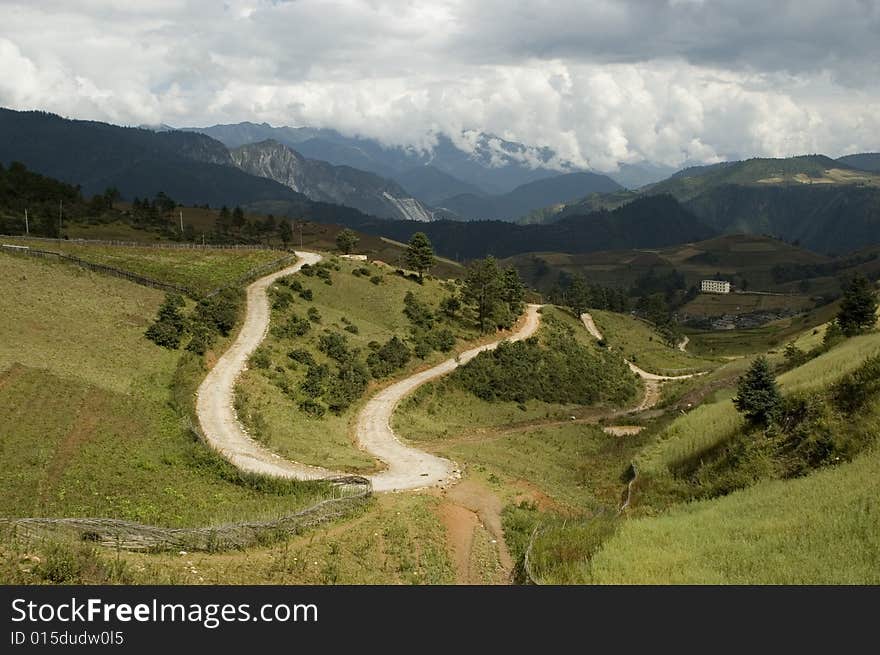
432	186
324	182
527	197
824	204
865	161
191	168
634	176
645	223
492	164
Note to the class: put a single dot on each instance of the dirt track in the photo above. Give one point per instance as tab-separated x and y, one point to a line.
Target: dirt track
652	380
406	467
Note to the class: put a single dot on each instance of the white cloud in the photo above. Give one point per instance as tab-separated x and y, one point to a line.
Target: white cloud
598	82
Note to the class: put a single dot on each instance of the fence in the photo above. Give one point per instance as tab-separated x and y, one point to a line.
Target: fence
528	570
354	491
100	268
146	281
144	244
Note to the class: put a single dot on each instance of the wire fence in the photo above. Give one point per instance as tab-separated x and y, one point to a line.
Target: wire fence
348	494
145	244
143	280
528	556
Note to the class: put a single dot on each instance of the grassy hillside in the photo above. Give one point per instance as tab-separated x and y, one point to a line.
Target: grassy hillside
821	529
444	410
87	428
200	270
642	345
708	425
363	308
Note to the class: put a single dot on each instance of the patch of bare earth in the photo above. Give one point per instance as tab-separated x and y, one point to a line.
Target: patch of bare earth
471	514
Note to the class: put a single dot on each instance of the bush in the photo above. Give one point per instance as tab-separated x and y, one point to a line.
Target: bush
560	369
306	294
351	327
419	314
312	408
302	357
164	334
349	384
281	298
335	346
386	359
220	311
294	326
260	358
307	270
314	315
376	279
313	384
852	392
443	340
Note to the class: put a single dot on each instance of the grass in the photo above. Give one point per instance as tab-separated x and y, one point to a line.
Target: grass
397	540
440	410
578	466
821	529
716	304
641	344
377	312
710	425
86	427
774	335
200	270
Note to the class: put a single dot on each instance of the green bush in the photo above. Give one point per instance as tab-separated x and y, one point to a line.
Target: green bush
387	358
294	326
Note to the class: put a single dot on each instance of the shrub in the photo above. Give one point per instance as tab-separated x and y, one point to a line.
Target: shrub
302	357
313	384
260	358
351	327
376	279
307	270
386	359
306	294
294	326
220	311
164	334
443	340
334	345
758	397
314	315
312	408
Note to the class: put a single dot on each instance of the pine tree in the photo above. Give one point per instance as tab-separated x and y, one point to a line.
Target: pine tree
483	288
285	232
758	397
419	254
858	309
578	295
346	240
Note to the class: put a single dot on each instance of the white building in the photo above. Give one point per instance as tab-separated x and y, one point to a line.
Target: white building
714	286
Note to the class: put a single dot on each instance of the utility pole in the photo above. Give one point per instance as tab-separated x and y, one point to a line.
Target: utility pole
60	214
27	229
300	236
181	221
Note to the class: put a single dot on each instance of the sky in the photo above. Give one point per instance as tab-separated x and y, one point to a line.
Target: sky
600	82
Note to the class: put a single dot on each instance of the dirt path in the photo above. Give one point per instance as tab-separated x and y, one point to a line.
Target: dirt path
652	380
683	344
406	467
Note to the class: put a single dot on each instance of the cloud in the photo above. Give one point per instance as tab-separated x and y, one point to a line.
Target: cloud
598	82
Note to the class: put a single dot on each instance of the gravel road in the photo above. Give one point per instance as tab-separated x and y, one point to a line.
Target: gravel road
406	467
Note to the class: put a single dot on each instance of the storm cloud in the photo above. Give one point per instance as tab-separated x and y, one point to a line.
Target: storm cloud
599	82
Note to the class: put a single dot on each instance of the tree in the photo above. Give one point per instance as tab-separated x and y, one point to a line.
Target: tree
758	397
419	254
858	309
482	287
578	295
347	240
450	305
513	291
238	219
285	232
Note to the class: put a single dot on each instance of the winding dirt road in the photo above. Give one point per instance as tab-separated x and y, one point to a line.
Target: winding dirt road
406	467
652	380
